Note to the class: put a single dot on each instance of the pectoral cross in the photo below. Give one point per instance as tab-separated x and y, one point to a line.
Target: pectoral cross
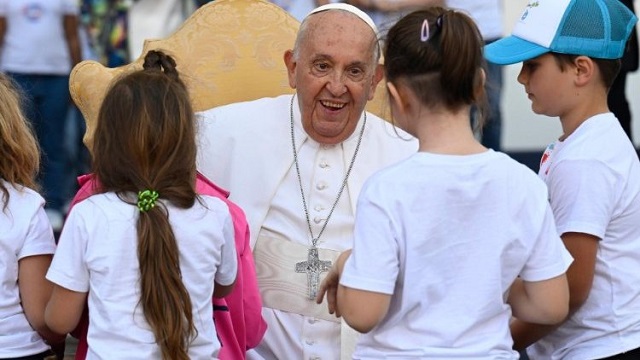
313	267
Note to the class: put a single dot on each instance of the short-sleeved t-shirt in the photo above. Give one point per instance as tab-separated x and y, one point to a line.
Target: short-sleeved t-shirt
35	41
97	253
24	231
446	236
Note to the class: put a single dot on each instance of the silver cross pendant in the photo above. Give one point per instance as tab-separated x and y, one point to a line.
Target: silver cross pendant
313	267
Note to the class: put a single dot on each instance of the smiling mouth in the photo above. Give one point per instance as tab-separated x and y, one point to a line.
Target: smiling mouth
332	105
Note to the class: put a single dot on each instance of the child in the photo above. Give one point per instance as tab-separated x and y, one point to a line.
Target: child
441	237
238	319
238	316
26	238
570	51
146	249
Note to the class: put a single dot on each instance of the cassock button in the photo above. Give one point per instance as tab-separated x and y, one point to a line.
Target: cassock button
318	208
310	342
317	219
321	185
324	164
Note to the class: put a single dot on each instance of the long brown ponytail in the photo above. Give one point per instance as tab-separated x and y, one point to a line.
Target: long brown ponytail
145	140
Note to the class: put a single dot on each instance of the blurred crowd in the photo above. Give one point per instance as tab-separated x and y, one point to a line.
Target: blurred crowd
113	32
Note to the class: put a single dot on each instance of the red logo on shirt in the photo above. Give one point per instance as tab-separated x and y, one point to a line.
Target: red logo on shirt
32	11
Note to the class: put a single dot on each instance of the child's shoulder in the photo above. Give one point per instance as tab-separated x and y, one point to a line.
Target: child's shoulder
22	193
22	209
599	137
215	203
104	204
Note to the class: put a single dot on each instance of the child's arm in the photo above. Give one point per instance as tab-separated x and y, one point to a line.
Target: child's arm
583	249
227	272
220	291
542	302
347	302
64	309
35	291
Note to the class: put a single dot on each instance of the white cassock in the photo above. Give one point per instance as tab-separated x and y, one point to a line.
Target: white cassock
247	149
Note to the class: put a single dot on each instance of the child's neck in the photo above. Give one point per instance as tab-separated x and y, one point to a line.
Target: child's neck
578	115
447	133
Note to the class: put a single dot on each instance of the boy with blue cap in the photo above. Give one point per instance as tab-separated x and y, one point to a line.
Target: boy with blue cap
571	52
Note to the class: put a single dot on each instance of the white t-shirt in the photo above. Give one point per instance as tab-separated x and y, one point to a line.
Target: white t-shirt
154	19
486	13
299	9
97	253
594	188
34	42
446	236
25	232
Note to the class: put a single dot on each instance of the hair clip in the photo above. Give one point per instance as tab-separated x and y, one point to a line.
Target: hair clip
439	21
424	32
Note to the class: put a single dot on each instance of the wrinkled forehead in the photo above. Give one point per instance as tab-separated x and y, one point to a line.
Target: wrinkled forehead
341	19
342	31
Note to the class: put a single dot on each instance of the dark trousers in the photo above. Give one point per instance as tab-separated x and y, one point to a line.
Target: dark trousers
618	103
492	129
46	107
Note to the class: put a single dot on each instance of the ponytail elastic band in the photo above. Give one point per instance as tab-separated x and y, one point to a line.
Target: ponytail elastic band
147	200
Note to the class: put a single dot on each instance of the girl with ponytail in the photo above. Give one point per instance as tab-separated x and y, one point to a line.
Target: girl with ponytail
441	236
146	250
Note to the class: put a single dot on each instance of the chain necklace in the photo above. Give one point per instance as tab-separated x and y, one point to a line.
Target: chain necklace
313	266
314	239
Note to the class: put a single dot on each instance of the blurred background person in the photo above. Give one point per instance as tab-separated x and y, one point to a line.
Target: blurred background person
488	16
299	9
39	47
385	13
617	98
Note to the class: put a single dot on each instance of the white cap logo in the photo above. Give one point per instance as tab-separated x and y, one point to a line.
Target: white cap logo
531	4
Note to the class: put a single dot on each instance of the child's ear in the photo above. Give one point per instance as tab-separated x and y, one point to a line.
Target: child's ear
481	80
395	97
585	69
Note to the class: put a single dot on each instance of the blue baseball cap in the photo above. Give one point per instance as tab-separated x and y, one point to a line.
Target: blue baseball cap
594	28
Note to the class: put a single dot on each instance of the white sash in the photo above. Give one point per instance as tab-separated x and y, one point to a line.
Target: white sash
282	288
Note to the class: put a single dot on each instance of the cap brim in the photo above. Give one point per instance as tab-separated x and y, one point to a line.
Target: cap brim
511	50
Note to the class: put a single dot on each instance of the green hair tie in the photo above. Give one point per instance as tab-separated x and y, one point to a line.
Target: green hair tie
147	200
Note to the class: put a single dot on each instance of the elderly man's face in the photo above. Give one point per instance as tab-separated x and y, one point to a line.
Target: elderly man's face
334	74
